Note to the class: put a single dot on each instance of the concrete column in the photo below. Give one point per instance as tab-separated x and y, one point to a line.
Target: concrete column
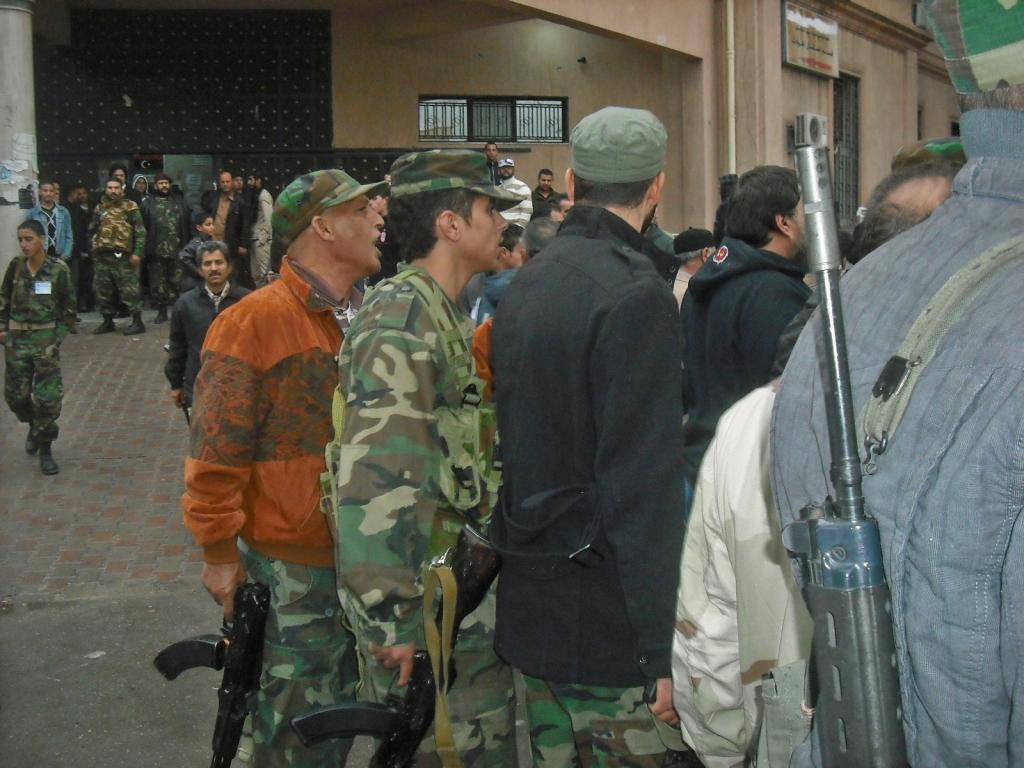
17	115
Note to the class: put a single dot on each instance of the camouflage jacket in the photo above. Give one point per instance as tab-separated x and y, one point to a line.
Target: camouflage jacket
392	514
168	223
117	226
45	297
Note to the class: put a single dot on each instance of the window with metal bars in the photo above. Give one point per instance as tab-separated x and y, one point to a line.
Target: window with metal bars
846	140
525	119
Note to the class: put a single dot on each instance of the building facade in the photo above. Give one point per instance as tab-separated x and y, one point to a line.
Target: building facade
278	88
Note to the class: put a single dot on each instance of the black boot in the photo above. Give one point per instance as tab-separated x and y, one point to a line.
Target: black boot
31	446
136	327
161	315
107	326
46	462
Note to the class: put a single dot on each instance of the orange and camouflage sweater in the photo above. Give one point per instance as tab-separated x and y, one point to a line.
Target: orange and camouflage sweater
261	421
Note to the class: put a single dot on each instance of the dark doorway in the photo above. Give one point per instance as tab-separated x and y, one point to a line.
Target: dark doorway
252	89
846	111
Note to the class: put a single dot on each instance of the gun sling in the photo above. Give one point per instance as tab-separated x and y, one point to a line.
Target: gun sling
895	385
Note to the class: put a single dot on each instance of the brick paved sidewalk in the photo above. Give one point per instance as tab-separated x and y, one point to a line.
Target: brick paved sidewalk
111	520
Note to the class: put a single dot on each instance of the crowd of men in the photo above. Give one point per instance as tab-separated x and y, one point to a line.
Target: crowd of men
152	228
598	405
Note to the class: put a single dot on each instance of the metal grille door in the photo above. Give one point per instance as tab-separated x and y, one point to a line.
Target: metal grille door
846	104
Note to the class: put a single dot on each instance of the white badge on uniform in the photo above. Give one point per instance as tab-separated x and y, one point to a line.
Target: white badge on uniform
43	288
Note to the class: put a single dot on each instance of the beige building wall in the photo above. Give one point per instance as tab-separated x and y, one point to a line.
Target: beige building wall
664	55
939	105
378	79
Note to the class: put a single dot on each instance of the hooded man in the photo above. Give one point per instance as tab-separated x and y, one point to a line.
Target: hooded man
740	302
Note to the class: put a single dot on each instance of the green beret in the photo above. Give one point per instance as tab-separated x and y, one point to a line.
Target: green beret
981	40
618	145
439	169
312	194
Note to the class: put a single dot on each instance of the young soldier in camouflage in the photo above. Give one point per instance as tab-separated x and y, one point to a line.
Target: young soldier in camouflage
262	418
167	221
37	310
406	375
118	240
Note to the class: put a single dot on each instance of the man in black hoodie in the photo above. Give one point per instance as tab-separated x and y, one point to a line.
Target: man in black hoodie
740	302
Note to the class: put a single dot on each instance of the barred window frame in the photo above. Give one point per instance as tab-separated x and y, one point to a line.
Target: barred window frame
458	119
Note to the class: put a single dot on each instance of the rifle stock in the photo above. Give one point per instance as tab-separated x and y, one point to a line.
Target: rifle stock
239	652
475	565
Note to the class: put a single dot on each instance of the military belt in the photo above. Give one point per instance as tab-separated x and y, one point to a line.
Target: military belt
17	325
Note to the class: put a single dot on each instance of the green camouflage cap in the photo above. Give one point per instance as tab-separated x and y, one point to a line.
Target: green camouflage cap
438	169
981	40
310	195
618	145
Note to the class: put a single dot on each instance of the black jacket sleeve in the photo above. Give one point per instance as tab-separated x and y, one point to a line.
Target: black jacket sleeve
174	368
638	463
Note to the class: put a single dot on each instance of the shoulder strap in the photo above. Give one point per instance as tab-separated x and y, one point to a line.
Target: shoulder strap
895	385
442	315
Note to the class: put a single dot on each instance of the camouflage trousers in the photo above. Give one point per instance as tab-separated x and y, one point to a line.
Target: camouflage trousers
33	387
164	279
115	277
590	726
481	703
308	661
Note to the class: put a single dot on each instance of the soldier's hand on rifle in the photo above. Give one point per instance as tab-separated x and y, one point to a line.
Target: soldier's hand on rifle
662	708
135	260
395	656
221	581
178	397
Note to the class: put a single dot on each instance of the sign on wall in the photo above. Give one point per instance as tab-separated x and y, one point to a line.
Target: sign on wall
810	41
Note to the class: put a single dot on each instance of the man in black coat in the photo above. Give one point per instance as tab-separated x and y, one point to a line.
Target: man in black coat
194	312
587	372
232	223
739	303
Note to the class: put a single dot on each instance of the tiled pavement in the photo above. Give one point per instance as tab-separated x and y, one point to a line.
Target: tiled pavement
97	574
111	520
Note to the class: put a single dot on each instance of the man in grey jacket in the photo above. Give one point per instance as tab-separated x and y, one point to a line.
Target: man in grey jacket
947	490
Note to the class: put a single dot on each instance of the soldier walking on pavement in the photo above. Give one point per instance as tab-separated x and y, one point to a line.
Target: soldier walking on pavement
118	240
586	360
410	393
37	310
168	224
262	418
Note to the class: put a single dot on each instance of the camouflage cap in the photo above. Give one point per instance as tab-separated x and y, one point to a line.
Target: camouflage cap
310	195
618	145
439	169
981	40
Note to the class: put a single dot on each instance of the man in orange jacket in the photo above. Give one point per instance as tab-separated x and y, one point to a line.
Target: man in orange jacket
261	421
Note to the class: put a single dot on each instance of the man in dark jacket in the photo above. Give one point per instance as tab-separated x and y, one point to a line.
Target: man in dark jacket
194	312
586	363
231	224
740	301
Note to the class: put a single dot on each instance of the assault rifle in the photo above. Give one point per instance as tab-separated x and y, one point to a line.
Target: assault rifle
239	652
464	575
858	707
